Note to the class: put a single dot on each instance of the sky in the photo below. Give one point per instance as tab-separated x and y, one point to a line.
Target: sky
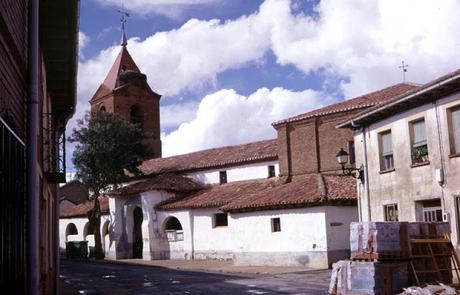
227	69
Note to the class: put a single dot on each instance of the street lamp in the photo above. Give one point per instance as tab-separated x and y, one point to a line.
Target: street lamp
342	158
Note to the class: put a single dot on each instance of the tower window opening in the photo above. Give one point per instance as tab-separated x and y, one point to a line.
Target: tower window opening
136	115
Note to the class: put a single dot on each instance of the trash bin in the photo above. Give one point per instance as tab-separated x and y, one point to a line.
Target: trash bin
76	249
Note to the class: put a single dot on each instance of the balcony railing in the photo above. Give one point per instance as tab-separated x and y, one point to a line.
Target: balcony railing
53	150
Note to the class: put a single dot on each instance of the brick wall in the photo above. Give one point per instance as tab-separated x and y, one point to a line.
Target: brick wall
120	102
310	146
13	62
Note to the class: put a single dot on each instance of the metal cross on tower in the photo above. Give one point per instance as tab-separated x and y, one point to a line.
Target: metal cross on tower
404	70
123	19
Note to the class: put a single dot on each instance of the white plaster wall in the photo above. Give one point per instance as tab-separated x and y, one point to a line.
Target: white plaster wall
244	172
338	221
301	230
212	242
406	185
301	241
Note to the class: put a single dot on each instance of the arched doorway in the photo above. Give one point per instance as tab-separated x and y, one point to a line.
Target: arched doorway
137	233
88	235
173	229
105	237
71	230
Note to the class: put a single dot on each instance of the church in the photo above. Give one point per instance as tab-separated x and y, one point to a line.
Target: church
281	202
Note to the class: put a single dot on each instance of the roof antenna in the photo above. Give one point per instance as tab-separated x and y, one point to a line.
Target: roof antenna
123	19
403	67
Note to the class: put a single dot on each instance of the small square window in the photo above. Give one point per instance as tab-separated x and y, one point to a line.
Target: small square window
222	177
271	171
391	212
220	219
276	224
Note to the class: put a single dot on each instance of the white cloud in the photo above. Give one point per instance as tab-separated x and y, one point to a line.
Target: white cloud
226	117
83	40
169	8
365	41
175	114
360	41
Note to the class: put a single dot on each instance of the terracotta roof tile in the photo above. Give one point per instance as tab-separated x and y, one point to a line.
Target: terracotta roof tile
80	210
408	99
165	182
308	190
218	195
363	101
111	81
272	193
265	150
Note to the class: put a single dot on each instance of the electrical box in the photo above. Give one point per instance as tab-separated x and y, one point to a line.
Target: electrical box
445	217
440	176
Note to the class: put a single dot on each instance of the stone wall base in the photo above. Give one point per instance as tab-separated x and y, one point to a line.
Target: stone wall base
314	259
213	255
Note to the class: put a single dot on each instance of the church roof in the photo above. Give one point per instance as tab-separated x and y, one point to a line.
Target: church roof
165	182
82	209
272	193
123	62
219	195
364	101
265	150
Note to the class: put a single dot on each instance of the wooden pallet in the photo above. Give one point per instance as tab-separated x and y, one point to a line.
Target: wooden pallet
433	252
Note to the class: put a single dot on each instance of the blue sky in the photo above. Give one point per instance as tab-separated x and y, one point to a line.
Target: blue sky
227	69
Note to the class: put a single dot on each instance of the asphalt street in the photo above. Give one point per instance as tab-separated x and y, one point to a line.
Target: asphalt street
87	277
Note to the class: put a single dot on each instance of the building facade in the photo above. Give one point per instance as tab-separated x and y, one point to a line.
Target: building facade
283	201
38	56
410	148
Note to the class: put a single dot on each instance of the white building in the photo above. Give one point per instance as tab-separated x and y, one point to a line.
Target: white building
228	203
410	150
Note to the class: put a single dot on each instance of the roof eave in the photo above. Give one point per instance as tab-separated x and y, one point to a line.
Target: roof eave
59	39
376	114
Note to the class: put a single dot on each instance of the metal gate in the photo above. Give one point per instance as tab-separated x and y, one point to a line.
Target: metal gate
12	210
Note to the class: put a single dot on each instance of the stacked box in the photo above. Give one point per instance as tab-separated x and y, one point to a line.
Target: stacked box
366	278
379	240
424	230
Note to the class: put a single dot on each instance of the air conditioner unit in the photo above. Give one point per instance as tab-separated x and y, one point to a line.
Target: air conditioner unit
445	217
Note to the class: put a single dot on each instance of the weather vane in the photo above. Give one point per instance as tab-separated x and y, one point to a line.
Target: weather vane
404	70
123	19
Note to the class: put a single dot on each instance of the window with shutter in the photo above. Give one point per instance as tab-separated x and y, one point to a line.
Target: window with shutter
386	154
454	133
419	147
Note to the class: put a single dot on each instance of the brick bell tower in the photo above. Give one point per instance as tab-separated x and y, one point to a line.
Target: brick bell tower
125	92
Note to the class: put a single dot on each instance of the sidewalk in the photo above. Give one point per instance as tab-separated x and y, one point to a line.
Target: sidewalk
208	266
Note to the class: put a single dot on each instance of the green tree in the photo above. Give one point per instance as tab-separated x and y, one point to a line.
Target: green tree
108	151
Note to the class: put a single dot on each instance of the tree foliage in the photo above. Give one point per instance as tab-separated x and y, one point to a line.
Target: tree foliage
108	149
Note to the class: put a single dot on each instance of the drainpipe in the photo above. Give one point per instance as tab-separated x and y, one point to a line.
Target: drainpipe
33	197
192	241
56	237
366	176
441	156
